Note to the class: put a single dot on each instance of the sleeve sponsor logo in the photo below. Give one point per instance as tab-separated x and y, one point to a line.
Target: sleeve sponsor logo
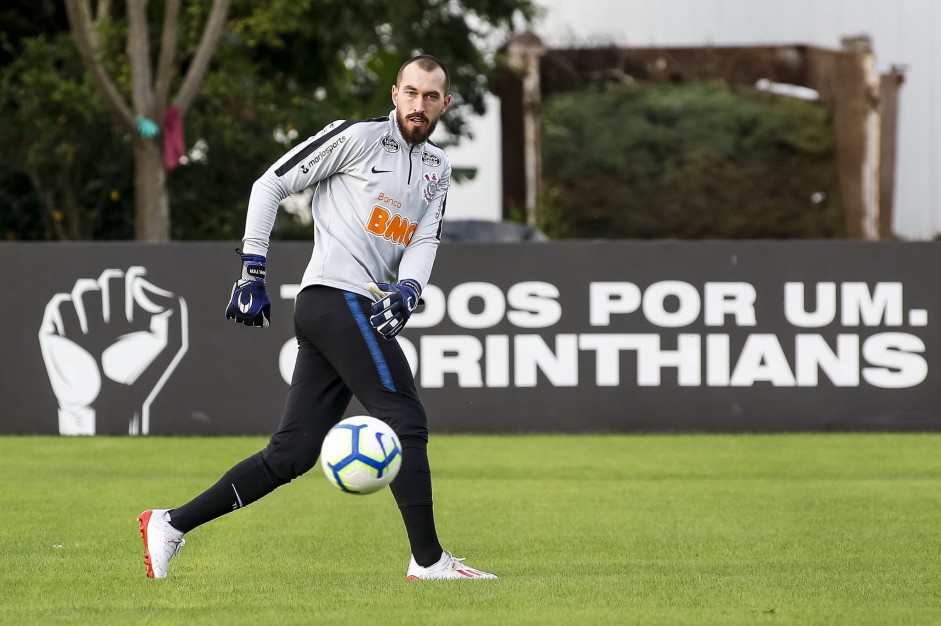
391	226
323	154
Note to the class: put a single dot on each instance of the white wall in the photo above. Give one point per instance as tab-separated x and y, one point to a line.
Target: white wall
482	197
904	32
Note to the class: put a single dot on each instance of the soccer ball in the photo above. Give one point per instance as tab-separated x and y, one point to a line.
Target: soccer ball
361	455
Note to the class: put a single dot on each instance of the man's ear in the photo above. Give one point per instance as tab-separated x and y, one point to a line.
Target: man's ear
395	95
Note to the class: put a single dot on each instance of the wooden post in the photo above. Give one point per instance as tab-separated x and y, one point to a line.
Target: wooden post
523	54
889	109
848	84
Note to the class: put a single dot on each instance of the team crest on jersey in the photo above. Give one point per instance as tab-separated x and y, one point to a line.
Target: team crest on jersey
389	144
430	159
428	193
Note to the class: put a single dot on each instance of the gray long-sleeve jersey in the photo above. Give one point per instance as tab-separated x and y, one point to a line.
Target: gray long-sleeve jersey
377	206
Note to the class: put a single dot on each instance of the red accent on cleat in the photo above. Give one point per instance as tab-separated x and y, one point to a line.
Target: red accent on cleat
143	519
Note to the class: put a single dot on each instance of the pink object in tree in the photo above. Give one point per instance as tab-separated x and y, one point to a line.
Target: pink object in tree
174	145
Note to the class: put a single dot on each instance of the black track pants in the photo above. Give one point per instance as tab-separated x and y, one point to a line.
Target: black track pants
339	355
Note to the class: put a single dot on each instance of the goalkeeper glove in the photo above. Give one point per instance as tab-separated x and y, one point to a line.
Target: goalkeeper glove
395	307
249	303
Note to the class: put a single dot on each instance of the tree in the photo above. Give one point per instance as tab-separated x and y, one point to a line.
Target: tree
689	161
287	68
280	71
150	95
63	168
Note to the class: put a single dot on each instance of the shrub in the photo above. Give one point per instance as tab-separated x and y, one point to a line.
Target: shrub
689	161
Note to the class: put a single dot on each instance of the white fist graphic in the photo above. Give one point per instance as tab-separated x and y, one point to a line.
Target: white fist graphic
109	346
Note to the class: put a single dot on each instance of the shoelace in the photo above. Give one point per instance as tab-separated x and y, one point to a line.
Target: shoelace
455	562
179	544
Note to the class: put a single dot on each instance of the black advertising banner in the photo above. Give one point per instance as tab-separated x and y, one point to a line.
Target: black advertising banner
125	338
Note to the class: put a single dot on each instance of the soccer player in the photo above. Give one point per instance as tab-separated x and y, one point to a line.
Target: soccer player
378	205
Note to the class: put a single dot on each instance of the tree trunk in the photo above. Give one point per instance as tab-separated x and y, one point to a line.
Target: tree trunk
152	207
152	218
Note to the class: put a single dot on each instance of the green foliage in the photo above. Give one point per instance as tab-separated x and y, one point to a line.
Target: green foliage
354	49
698	160
296	65
667	529
235	117
284	65
63	169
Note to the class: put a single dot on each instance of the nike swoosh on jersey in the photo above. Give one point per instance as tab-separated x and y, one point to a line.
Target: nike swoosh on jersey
375	171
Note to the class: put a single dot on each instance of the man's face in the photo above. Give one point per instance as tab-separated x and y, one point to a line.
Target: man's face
419	99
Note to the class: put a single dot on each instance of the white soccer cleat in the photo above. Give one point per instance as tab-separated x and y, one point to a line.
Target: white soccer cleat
161	541
448	568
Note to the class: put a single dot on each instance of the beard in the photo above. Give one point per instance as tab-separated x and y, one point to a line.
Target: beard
415	135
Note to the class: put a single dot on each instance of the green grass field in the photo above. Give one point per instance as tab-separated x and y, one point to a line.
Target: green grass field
689	529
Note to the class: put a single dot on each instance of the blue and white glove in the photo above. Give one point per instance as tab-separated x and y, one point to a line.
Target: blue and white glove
395	307
249	303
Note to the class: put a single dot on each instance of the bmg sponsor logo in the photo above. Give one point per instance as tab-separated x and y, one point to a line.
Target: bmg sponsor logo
393	227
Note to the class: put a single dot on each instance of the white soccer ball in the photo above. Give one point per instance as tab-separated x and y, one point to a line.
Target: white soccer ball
361	455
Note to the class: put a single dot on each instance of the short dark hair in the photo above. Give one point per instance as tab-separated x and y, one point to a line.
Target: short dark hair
427	63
